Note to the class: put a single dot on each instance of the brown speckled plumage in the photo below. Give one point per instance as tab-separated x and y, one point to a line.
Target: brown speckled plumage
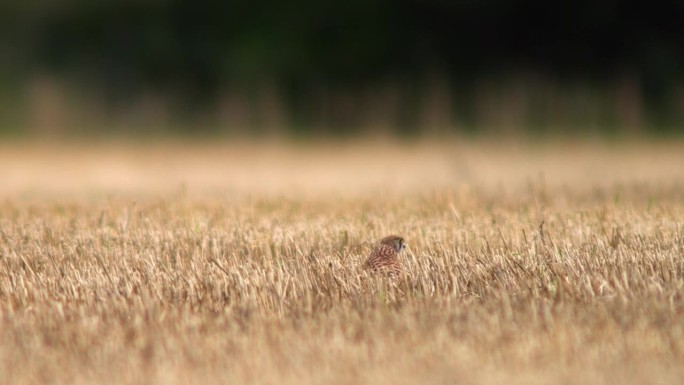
384	258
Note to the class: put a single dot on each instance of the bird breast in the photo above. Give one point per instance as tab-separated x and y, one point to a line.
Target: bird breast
383	257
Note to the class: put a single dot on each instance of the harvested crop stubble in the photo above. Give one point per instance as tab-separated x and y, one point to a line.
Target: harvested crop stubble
547	282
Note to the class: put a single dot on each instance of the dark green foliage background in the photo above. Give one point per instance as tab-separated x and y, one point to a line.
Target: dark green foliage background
192	51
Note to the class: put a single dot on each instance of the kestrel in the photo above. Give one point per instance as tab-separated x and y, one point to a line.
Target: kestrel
385	257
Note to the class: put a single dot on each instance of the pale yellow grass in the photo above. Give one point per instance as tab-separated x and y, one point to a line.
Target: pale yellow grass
240	264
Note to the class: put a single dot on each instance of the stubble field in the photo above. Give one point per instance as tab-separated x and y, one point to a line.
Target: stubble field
216	263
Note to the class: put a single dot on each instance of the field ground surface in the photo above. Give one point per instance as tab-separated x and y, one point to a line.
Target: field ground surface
210	263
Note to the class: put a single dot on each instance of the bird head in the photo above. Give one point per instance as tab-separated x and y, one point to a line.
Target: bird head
396	242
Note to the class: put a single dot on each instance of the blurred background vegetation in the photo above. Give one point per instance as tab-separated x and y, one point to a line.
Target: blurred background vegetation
338	68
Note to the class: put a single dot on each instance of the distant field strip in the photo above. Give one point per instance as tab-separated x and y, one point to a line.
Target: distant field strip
334	170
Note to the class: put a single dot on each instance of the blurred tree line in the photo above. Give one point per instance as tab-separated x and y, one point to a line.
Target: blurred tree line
339	66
